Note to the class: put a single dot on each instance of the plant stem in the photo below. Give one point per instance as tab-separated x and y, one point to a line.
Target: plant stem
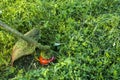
28	39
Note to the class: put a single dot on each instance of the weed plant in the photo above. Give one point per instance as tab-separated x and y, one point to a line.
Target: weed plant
88	29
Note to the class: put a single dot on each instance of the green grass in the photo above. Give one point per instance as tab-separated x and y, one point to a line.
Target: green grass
88	29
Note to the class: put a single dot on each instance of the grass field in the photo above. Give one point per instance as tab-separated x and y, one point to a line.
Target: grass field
89	31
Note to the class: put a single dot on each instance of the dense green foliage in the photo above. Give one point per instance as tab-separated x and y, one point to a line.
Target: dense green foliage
88	29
